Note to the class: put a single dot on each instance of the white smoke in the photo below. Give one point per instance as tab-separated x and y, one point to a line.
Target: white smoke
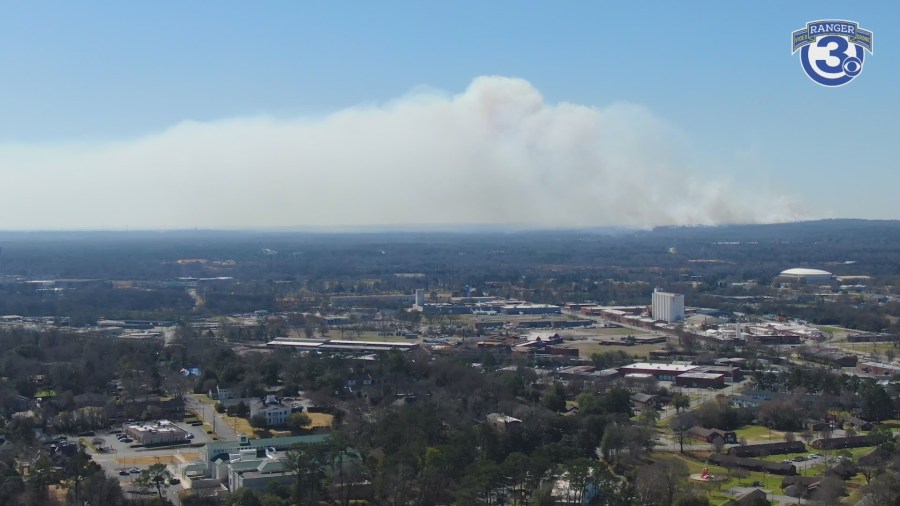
495	154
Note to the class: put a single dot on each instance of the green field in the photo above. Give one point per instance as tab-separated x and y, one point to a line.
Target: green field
587	348
759	433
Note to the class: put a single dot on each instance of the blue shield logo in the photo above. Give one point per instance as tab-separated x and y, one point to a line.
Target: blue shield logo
832	52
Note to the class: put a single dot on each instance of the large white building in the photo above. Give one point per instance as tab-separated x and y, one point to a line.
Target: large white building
276	414
668	307
808	275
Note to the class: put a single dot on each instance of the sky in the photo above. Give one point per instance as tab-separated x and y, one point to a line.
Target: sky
232	115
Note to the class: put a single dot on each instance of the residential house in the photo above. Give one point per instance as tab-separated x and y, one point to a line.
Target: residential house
710	435
276	414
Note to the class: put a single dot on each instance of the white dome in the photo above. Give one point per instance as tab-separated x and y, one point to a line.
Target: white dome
806	273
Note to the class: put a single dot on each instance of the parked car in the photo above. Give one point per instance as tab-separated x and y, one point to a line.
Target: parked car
174	481
123	472
799	458
134	470
756	484
189	436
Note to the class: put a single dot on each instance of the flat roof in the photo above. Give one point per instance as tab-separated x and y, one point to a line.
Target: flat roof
659	367
701	375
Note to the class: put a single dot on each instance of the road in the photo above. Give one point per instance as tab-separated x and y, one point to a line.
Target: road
208	414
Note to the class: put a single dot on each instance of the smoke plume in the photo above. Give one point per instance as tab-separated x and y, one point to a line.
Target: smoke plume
494	154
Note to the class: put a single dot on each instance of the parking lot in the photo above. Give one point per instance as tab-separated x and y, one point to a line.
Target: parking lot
125	460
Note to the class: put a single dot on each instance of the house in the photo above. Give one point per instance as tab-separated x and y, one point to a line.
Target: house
565	494
760	450
856	423
220	394
503	422
815	425
359	380
755	497
844	470
644	401
276	415
710	435
806	486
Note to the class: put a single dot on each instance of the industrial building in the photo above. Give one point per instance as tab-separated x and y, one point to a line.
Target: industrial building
668	307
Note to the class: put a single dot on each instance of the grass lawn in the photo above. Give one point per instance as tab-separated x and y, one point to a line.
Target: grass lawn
238	424
716	491
587	348
758	433
603	332
320	419
836	332
204	399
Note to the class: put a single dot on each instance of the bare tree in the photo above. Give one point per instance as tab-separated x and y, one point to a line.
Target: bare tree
681	424
656	484
717	444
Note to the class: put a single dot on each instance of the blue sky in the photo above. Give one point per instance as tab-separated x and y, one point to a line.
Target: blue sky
718	75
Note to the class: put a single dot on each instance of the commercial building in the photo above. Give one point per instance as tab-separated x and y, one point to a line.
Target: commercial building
700	380
662	372
251	463
730	372
668	307
158	433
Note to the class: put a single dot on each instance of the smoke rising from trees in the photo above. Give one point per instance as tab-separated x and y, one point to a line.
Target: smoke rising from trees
495	154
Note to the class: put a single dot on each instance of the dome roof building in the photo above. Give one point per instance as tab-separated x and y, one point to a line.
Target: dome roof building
808	275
